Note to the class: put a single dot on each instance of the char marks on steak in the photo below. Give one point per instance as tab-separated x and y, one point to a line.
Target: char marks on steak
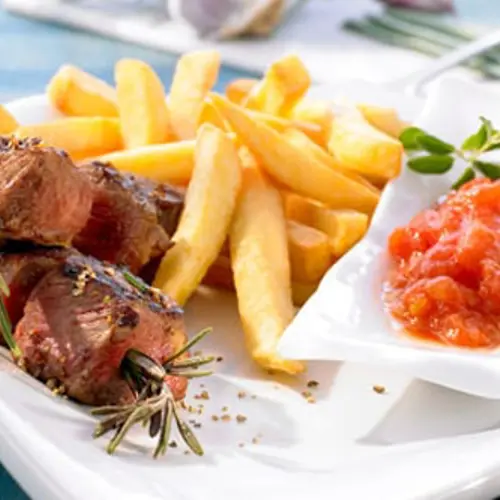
81	319
131	218
44	198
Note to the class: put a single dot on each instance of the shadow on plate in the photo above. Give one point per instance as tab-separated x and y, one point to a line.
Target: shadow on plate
446	413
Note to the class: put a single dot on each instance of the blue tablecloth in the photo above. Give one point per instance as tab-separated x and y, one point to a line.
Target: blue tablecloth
32	52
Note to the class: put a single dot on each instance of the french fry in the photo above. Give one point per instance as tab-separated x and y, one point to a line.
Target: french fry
210	202
343	227
301	292
283	85
314	112
238	90
210	114
360	147
385	119
80	137
220	275
172	162
293	167
282	124
77	93
142	106
302	141
195	74
259	256
8	124
309	251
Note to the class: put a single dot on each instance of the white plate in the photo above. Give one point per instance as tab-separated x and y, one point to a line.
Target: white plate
417	441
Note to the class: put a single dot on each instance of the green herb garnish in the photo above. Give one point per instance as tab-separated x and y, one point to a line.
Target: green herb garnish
432	156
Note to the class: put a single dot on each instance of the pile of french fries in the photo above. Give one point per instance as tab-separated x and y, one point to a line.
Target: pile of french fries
278	187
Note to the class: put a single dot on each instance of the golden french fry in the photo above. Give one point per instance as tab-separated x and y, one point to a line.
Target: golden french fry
210	202
195	74
8	124
238	90
259	256
343	227
80	137
301	292
302	141
309	251
283	85
315	112
360	147
77	93
210	114
282	124
142	106
172	162
293	167
385	119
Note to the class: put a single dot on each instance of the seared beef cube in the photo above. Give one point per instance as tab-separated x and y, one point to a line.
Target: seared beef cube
169	201
22	271
124	227
44	198
83	317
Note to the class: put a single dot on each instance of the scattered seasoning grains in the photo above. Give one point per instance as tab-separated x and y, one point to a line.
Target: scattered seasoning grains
255	440
307	395
202	385
242	394
241	418
215	418
241	445
219	359
187	452
197	354
225	408
312	384
204	395
225	417
197	425
379	389
173	444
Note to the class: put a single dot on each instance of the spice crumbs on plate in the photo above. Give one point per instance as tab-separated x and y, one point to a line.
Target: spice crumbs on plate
255	440
226	417
197	425
215	418
307	395
241	445
219	359
379	389
187	452
225	408
241	418
242	394
173	444
312	384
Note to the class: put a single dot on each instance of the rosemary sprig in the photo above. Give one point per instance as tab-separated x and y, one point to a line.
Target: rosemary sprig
155	405
6	324
431	155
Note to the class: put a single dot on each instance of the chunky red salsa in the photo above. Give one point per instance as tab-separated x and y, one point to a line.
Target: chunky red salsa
446	281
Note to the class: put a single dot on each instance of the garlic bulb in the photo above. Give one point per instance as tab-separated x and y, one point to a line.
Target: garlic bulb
222	19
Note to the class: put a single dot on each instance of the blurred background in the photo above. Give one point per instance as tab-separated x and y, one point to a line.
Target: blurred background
337	39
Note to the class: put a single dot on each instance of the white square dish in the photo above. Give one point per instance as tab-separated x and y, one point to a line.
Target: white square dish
346	320
415	441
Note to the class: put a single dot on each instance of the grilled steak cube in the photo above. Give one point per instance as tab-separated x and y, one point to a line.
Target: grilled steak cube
22	271
127	218
81	319
44	198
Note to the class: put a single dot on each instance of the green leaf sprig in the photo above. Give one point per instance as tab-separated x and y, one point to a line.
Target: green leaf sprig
439	156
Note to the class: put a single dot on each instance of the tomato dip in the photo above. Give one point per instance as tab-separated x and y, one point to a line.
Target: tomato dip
445	282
